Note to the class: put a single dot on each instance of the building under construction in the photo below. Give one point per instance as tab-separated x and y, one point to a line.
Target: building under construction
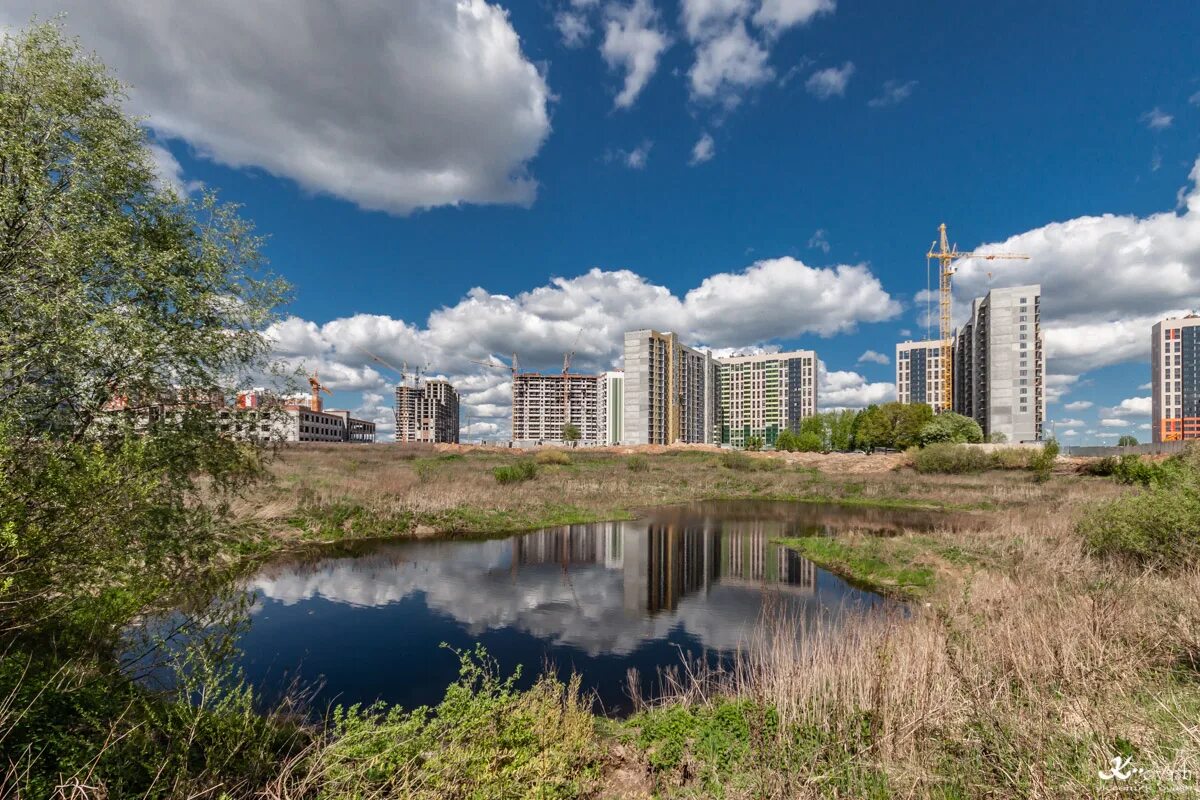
542	408
427	412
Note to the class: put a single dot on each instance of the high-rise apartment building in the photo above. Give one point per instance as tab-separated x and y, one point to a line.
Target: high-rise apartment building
541	409
762	395
428	412
919	377
669	390
1175	379
612	400
1000	364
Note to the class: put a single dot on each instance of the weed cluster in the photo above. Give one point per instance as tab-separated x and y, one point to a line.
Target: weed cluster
487	738
558	457
516	472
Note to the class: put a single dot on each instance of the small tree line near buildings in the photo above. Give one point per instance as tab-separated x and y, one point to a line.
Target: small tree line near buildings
897	426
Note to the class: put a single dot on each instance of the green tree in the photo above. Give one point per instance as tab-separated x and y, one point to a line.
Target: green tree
110	286
787	441
570	432
907	421
815	426
1127	441
951	427
809	442
997	437
874	429
841	429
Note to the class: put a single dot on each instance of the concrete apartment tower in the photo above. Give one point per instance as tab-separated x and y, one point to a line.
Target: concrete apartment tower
612	401
762	395
919	377
1175	379
1000	364
669	390
427	413
541	410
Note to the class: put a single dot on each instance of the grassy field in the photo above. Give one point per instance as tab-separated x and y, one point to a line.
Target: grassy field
1022	668
323	493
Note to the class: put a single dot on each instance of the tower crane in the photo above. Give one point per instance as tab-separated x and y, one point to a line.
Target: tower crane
513	367
403	406
946	255
314	382
567	384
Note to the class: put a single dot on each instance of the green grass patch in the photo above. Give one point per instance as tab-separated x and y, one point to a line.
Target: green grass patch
893	565
516	472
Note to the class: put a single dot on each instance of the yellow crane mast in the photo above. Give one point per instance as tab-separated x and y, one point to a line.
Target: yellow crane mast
946	255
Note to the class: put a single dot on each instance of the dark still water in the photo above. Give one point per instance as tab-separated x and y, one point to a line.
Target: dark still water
598	599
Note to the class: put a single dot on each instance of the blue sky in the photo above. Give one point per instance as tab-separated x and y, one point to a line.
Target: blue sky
402	155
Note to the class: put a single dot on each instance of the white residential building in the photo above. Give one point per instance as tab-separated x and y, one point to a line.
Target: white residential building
762	395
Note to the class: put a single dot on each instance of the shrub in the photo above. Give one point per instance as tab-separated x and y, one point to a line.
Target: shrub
997	438
1099	467
787	441
516	472
552	457
809	443
1157	527
1013	458
950	459
638	464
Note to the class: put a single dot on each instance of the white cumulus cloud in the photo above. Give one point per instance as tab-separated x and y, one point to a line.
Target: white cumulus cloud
392	106
1078	405
1105	279
893	93
592	310
848	389
1132	407
633	43
1114	423
1157	119
870	356
829	82
703	150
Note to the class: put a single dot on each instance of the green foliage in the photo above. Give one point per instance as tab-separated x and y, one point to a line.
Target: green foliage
112	287
754	443
1042	461
809	442
952	459
1099	467
997	437
552	457
1157	526
516	472
485	739
787	441
1127	440
892	425
950	427
638	463
570	432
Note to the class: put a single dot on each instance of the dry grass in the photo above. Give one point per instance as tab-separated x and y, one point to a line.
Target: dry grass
326	492
1022	677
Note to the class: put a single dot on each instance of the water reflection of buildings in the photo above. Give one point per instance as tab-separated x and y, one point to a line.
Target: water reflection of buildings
663	562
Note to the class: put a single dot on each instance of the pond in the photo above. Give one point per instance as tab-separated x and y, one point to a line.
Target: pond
366	622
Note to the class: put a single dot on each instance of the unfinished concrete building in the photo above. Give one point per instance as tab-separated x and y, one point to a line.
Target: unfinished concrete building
542	408
670	390
428	412
1000	364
